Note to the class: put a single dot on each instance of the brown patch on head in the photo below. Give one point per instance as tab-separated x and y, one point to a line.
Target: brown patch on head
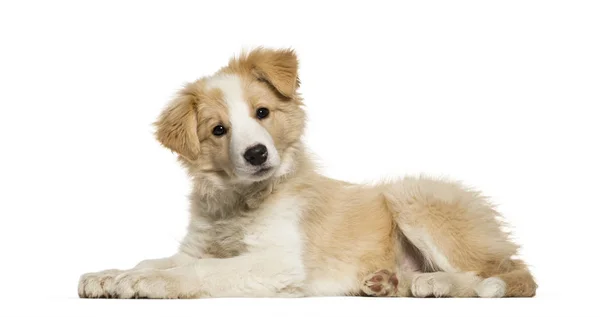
214	150
278	68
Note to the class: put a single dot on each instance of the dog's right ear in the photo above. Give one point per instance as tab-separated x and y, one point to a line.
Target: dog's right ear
176	128
279	68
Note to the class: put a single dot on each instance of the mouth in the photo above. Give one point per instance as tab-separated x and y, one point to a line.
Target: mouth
262	171
257	174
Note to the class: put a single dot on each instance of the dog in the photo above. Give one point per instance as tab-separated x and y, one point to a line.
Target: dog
264	223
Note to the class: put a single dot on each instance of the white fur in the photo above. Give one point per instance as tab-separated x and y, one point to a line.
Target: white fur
287	164
245	129
491	287
272	265
425	244
438	284
334	278
443	284
178	259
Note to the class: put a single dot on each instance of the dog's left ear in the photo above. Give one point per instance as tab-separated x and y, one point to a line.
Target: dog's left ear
279	68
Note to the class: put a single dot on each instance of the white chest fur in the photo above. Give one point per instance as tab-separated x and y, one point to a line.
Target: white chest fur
270	235
276	227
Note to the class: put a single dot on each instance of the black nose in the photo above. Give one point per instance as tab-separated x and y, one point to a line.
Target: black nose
256	155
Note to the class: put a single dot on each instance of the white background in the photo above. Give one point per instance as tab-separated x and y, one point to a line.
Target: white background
502	95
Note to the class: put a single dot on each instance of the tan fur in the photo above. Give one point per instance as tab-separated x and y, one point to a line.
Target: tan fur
176	128
279	68
353	229
436	237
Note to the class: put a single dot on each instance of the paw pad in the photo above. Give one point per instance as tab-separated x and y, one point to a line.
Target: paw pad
381	283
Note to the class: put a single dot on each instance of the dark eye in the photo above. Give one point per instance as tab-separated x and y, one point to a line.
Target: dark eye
262	113
219	130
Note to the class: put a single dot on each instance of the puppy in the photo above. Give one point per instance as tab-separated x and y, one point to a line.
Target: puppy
265	224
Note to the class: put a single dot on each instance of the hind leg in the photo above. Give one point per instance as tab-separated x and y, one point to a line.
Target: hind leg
459	236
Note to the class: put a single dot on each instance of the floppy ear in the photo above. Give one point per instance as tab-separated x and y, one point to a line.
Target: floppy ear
176	128
277	67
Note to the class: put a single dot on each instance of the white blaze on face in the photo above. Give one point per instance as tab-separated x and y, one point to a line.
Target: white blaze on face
245	130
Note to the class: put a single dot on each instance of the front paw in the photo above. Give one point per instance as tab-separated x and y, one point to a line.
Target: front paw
149	283
97	284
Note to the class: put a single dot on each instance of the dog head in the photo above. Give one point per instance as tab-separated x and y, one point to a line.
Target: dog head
241	124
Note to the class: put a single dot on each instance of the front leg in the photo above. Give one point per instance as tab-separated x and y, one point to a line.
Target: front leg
101	284
265	274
